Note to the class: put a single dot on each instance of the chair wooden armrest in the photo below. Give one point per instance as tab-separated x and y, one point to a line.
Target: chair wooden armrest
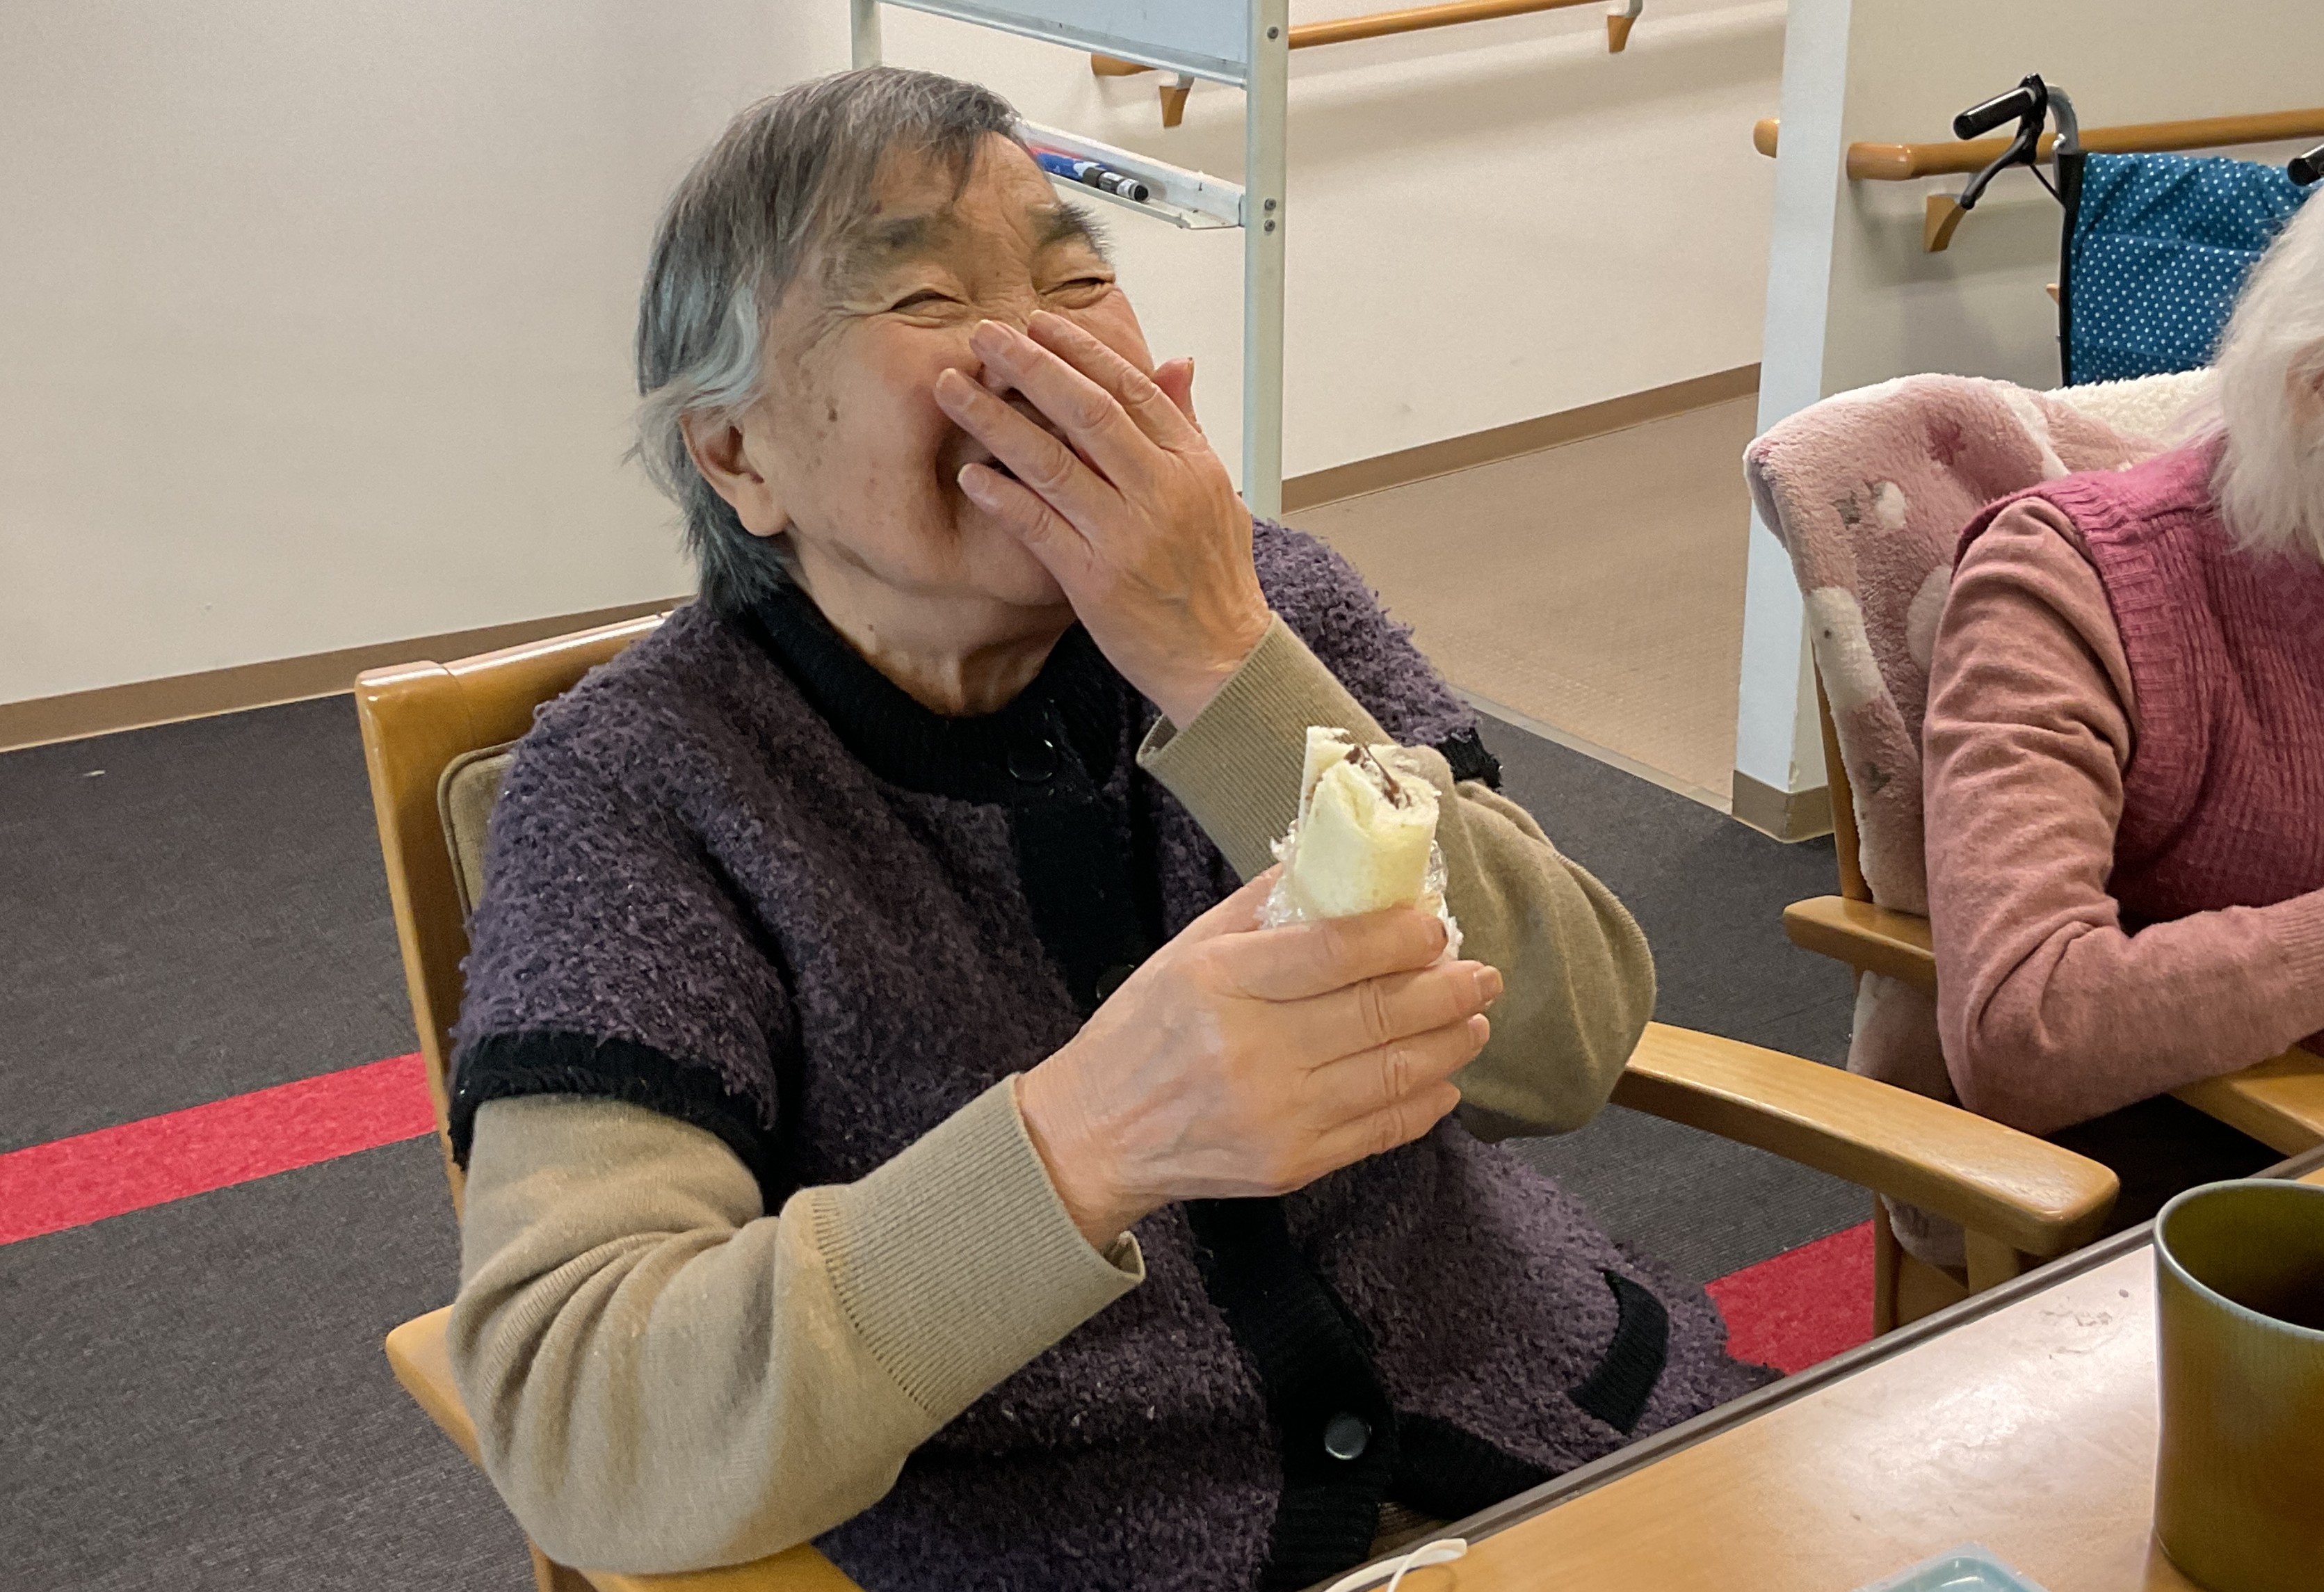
423	1365
417	1354
1869	938
2280	1102
2030	1195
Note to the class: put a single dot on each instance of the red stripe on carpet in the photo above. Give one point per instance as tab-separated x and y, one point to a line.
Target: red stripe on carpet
1803	1305
68	1182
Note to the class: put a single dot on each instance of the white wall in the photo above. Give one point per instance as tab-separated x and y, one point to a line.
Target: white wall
1489	223
1855	300
314	321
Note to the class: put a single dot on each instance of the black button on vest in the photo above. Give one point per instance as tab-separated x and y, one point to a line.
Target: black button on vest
1033	761
1346	1436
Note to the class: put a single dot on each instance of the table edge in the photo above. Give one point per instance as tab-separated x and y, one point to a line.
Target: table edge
1635	1457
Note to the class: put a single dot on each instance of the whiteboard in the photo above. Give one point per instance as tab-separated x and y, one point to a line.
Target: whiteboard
1209	38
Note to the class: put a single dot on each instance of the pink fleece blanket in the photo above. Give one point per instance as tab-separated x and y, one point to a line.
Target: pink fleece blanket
1868	491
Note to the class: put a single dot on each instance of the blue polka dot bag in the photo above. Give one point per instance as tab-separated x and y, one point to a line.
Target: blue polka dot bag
2157	247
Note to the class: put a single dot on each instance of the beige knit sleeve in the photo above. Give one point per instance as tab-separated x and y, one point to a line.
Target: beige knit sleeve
663	1377
1579	982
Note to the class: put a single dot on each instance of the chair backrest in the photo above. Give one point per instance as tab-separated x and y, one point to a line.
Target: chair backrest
1868	491
418	719
1845	844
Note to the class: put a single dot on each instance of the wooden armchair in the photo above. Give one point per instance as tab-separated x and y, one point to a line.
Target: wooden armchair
2279	1102
2021	1200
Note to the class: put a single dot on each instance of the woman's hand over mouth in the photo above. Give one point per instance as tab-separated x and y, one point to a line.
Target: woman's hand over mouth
1132	513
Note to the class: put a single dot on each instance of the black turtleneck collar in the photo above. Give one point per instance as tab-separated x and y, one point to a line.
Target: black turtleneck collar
1084	859
1074	705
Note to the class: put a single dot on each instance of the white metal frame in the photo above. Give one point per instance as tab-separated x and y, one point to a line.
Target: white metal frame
1191	200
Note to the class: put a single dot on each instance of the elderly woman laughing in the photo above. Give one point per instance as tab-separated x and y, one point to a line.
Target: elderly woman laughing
887	1121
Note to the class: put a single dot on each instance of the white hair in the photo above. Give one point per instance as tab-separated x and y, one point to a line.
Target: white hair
2269	397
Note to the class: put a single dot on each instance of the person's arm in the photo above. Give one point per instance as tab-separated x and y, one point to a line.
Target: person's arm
663	1377
1141	527
2050	1013
1578	983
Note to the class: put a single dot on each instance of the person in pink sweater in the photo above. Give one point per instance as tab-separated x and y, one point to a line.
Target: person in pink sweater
2124	765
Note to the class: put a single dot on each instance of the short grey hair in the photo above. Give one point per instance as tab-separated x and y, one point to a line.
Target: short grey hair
786	174
2271	475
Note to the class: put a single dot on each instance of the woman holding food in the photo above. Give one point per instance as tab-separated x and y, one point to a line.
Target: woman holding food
888	1122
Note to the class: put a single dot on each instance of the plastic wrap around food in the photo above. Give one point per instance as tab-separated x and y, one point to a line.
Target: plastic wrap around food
1364	837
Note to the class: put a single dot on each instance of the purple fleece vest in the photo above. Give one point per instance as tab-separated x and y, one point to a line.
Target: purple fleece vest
691	873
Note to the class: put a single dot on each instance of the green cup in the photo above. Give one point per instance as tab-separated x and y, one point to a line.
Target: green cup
2239	1485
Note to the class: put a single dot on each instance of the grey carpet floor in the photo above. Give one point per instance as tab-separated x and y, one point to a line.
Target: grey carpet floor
194	1395
1709	894
190	912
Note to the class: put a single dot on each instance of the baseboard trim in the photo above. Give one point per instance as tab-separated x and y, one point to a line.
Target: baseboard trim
1408	465
1787	815
1592	749
144	703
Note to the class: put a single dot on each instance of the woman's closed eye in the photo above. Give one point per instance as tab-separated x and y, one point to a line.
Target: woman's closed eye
1082	290
925	301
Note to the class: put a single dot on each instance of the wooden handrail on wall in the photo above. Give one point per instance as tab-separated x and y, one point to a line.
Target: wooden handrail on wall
1900	162
1381	24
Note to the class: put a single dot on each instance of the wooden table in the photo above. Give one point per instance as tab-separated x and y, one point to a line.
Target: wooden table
2023	1418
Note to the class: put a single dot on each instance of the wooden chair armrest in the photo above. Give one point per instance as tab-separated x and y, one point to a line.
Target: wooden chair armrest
417	1352
1869	937
2280	1102
1994	1180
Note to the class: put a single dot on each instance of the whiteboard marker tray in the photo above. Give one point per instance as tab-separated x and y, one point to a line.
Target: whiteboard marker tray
1195	200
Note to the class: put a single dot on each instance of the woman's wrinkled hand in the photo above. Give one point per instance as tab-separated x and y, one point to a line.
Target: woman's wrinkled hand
1241	1061
1132	511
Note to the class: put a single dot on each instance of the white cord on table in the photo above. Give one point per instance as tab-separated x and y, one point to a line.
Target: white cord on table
1442	1551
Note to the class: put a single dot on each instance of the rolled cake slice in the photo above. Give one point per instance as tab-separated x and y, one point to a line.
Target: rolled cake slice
1367	818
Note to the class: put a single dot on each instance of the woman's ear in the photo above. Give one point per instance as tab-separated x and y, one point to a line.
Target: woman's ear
720	447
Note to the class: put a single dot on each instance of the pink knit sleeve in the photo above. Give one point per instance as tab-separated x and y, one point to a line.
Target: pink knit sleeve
2048	1012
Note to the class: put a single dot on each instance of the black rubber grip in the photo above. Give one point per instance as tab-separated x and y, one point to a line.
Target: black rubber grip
1981	119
